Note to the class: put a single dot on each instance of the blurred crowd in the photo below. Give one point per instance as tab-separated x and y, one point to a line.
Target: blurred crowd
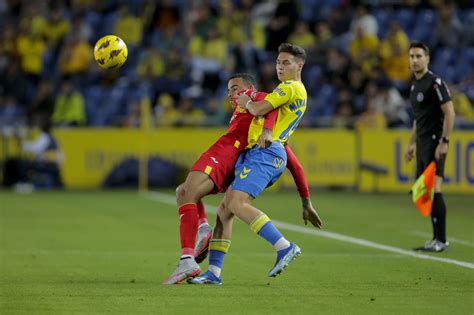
181	53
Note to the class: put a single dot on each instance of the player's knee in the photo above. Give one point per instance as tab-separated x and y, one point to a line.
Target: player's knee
223	212
233	205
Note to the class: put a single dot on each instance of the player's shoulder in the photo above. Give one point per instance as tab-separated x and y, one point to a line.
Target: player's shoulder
291	85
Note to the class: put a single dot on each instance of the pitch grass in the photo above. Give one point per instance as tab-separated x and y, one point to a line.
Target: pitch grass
108	252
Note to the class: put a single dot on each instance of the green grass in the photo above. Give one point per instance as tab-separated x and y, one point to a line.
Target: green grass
97	252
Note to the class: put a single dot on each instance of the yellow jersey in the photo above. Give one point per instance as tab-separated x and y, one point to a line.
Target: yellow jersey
289	98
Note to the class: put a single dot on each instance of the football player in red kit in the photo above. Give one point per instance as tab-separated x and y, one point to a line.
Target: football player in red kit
213	172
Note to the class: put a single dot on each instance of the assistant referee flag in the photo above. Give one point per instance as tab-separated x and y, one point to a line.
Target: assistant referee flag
423	190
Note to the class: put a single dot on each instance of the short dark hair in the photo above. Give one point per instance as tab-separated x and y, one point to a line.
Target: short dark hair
294	50
246	77
418	44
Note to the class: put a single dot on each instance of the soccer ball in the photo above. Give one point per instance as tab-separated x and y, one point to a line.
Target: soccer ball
110	52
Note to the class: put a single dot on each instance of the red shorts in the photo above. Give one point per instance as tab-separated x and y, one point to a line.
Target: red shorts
219	161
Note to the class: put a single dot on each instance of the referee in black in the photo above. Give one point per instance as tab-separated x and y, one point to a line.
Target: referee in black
432	127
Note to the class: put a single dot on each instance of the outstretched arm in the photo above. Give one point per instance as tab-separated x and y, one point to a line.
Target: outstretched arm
297	171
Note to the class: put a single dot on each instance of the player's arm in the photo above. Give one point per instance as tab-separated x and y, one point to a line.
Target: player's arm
410	151
280	96
259	108
266	137
444	98
297	171
449	115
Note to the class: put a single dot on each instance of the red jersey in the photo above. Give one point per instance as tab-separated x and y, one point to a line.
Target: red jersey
240	122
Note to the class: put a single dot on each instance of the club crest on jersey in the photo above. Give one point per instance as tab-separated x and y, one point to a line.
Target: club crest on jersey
420	97
278	163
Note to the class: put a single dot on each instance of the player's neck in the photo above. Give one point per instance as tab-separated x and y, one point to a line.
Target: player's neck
419	75
295	78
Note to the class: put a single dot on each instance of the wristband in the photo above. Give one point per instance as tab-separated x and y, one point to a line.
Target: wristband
444	140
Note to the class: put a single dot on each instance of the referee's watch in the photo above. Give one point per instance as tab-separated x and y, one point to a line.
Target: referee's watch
444	140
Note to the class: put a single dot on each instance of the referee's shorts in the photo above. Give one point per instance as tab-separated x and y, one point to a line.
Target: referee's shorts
425	154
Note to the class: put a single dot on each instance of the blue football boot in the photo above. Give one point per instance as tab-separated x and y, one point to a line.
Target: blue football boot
284	257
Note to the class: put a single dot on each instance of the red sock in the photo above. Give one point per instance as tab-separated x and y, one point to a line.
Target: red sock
188	226
201	212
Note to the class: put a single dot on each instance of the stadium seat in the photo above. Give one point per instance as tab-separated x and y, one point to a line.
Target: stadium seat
421	32
445	56
325	101
312	75
427	17
405	17
382	16
467	54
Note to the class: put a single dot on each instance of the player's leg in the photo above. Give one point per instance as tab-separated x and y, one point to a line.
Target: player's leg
260	169
260	223
424	157
218	247
203	236
438	213
196	186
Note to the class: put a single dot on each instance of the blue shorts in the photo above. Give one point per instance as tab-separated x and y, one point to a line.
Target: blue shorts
259	168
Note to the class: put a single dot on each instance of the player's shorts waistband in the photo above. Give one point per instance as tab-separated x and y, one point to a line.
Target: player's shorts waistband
278	142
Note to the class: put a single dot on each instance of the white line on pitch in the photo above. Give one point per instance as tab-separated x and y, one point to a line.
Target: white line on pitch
450	239
168	199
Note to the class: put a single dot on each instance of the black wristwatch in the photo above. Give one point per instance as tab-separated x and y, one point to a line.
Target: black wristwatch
444	140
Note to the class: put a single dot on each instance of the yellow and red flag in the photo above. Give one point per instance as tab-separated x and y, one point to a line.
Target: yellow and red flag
423	190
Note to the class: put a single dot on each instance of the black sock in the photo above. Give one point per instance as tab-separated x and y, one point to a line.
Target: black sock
438	217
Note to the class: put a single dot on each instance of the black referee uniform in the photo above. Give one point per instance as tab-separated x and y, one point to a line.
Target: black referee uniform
426	96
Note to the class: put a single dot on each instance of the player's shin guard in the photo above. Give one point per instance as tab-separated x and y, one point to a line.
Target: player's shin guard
438	217
262	226
217	250
201	213
188	217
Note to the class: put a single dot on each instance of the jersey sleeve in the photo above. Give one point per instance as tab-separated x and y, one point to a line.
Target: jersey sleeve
442	91
297	171
281	95
258	96
270	119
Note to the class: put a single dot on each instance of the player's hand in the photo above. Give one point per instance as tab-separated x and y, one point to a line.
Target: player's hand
310	214
265	139
410	152
242	100
442	148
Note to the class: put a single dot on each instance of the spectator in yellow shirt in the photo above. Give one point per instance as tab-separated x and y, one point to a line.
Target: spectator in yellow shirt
75	56
363	49
370	118
393	52
129	27
150	64
69	108
31	47
302	36
56	28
